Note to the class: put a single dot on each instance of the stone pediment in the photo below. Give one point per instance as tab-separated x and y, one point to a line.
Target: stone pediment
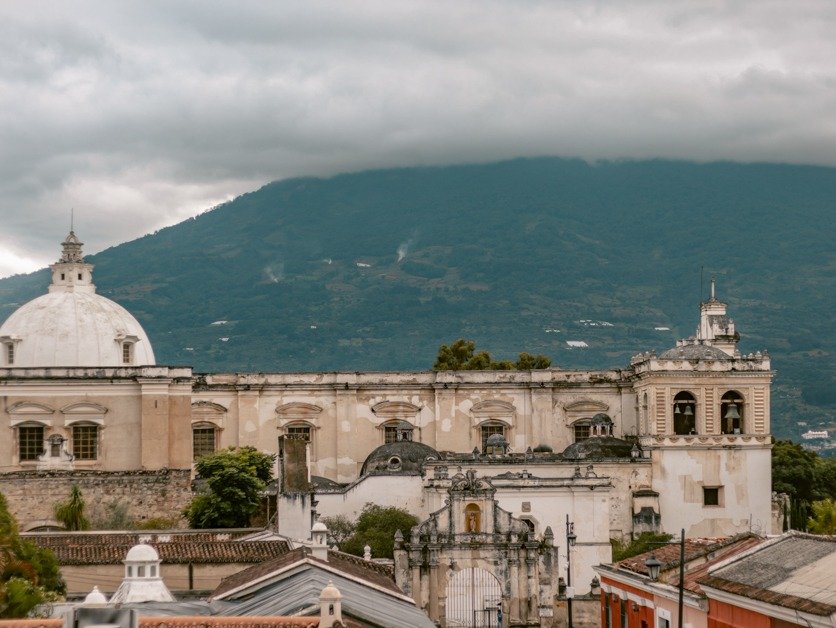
586	405
298	411
208	405
84	408
390	410
29	408
493	410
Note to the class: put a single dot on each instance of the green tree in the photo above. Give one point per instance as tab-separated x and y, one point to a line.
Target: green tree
376	527
823	520
29	575
804	476
461	355
340	528
71	512
233	482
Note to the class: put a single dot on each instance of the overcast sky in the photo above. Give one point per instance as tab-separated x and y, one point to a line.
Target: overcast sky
140	114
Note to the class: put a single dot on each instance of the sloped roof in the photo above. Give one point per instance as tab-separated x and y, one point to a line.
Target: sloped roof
380	575
299	589
796	571
709	551
175	548
185	622
290	584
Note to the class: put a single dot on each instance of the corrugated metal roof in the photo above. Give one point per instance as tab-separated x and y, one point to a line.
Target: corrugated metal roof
300	590
797	571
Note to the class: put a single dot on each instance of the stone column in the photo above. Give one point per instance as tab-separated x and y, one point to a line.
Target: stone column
514	569
433	588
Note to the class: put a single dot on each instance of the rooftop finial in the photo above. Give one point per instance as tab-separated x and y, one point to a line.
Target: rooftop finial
72	210
713	281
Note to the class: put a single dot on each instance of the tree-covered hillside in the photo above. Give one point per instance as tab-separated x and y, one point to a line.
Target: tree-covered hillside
374	270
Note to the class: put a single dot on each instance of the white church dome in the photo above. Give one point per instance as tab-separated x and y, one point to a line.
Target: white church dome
72	325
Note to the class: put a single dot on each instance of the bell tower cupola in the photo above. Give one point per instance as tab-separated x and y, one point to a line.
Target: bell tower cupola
716	328
71	273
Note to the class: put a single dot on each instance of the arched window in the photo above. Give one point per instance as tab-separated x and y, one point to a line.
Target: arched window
489	428
472	518
731	413
204	439
684	413
85	441
299	430
394	431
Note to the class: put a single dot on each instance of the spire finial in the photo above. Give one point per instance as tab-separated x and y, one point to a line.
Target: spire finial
72	211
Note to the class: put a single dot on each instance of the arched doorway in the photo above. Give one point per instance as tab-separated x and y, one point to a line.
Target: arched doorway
474	597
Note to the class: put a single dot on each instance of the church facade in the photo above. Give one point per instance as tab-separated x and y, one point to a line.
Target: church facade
84	402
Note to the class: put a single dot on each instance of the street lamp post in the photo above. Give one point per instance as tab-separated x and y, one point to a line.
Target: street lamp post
570	542
654	566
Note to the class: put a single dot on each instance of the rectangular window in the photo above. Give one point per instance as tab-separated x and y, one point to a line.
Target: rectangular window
299	431
664	623
86	442
607	611
203	441
126	353
30	442
390	434
10	353
624	613
710	496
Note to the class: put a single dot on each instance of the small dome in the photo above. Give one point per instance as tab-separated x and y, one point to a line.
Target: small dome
142	553
600	447
399	458
600	419
694	352
95	597
319	527
330	593
496	440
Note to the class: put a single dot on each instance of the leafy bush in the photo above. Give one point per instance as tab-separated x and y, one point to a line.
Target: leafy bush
376	527
645	542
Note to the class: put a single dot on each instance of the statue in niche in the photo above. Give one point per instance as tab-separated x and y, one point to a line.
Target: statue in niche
472	518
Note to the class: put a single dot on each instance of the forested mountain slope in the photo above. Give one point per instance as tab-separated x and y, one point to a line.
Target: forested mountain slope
373	270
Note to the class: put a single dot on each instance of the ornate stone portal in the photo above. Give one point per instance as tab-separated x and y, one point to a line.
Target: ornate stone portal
472	560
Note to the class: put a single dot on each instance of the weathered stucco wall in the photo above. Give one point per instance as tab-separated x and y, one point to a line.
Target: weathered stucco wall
32	495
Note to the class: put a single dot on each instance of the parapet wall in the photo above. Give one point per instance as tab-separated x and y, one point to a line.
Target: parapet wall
32	495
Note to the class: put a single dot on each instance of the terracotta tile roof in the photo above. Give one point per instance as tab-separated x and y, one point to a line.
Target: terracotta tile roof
228	622
185	622
175	548
709	551
770	597
375	573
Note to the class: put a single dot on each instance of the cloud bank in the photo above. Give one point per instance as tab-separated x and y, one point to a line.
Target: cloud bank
140	114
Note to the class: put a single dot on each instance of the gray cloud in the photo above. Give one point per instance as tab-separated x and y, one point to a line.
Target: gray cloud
139	114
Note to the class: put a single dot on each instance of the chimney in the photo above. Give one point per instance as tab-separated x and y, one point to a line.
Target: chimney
319	538
295	477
